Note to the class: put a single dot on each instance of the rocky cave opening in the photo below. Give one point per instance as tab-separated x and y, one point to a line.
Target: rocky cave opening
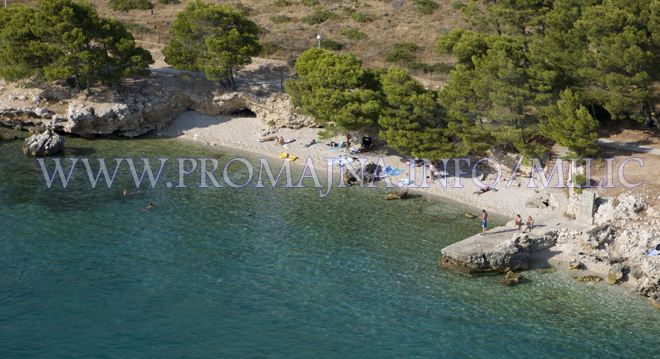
242	112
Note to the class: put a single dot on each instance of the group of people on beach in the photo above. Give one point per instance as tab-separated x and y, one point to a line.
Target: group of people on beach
518	222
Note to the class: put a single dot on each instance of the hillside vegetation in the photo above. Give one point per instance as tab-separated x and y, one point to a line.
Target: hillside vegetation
520	75
372	29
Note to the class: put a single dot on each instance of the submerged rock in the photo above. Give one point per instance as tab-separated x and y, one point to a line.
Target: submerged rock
575	265
617	274
589	278
397	195
47	143
655	301
8	137
513	278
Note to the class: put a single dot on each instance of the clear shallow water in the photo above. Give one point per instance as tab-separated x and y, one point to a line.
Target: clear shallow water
272	273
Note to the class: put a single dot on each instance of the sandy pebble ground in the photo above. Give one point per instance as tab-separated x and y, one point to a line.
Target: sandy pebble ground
243	134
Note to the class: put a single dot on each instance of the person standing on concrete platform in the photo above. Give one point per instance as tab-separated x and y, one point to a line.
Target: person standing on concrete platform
519	222
484	222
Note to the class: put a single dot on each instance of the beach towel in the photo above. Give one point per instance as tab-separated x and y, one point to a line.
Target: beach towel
339	145
343	161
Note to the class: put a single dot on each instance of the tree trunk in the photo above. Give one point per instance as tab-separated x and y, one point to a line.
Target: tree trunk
230	77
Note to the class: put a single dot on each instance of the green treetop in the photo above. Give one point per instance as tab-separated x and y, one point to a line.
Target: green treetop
412	121
215	39
335	89
570	124
67	40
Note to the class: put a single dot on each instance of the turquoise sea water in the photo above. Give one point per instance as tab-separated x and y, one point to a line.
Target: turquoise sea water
272	273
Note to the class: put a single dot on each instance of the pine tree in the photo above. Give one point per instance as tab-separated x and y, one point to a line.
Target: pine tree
215	39
335	89
571	125
412	120
67	40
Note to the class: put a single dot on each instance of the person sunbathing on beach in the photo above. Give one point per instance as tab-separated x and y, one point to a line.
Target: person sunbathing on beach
279	141
310	143
482	190
268	138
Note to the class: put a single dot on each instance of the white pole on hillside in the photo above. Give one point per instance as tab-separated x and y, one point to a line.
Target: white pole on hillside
318	38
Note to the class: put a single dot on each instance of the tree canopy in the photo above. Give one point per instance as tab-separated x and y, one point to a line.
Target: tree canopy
335	89
67	40
412	120
215	39
341	95
518	57
528	72
570	124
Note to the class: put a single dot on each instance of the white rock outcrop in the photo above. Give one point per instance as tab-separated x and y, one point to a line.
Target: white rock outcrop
44	144
146	105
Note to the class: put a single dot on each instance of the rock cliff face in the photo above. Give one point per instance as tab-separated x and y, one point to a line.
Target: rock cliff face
143	105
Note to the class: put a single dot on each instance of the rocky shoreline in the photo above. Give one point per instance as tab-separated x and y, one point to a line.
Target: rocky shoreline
625	229
147	104
613	249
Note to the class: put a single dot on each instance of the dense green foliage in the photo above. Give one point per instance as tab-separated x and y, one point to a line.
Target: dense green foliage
335	89
519	56
215	39
571	125
126	5
339	93
528	73
67	40
412	120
